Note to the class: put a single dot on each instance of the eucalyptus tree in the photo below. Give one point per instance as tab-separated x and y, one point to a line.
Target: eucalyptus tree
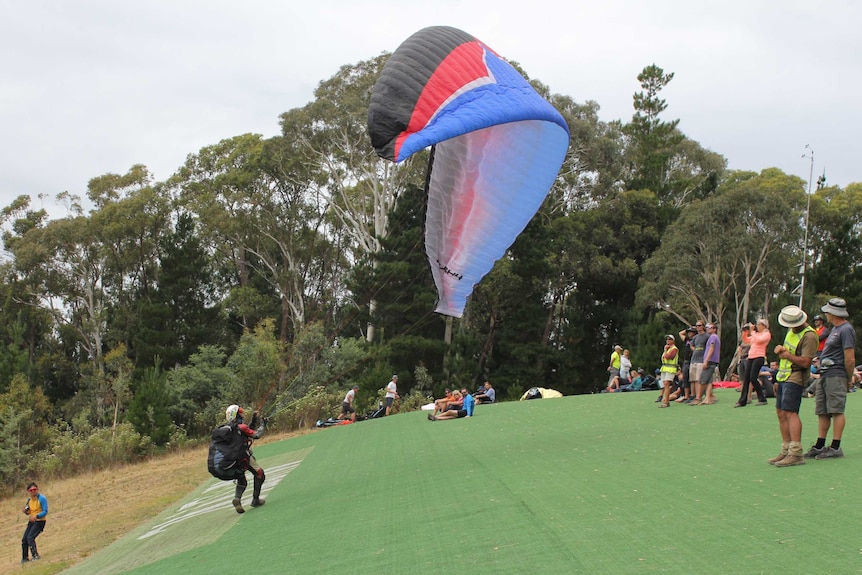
734	251
258	205
835	244
360	190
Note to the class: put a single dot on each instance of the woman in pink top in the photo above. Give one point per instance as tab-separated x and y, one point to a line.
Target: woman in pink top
760	337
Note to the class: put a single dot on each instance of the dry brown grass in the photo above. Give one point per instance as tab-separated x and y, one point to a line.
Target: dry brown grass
89	512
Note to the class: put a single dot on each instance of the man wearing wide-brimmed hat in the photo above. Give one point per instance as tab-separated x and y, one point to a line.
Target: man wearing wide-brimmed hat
837	361
795	355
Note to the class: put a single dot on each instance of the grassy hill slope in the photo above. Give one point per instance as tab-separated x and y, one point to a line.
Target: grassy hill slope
588	484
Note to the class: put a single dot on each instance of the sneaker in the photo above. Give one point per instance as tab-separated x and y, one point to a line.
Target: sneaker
762	403
24	560
813	452
790	460
829	453
777	458
36	557
237	504
257	502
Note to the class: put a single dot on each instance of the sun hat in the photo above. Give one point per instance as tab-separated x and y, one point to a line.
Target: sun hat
618	347
836	306
792	316
669	336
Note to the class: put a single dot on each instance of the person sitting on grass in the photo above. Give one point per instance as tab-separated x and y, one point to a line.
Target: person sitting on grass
466	410
638	383
453	400
487	395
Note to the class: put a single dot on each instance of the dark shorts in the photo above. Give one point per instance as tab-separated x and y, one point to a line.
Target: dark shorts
389	401
707	373
830	395
462	413
789	396
347	408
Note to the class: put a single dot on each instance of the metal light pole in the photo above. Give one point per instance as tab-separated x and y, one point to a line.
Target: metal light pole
810	154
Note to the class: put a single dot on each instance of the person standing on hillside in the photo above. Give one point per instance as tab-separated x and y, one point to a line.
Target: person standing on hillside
791	379
759	338
36	510
614	368
837	361
391	393
669	366
697	344
711	357
347	409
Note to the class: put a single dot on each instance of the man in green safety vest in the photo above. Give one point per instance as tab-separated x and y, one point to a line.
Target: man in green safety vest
795	355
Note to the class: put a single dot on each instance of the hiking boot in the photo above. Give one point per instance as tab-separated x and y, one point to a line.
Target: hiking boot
813	452
829	453
790	460
257	502
237	504
777	458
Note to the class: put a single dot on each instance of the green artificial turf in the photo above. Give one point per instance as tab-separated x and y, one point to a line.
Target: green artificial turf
587	484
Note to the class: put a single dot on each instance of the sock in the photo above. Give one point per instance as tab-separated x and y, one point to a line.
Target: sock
821	443
836	443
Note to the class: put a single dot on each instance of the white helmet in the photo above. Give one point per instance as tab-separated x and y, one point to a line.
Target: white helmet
232	411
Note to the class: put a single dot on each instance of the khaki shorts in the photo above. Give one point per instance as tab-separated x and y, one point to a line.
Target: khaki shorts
694	372
830	395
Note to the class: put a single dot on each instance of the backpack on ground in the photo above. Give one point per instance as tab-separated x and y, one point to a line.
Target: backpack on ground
227	452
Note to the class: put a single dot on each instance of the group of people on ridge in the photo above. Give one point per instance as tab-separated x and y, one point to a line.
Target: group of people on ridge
687	373
457	404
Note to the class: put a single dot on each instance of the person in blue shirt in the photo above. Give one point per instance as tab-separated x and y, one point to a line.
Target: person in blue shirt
36	510
466	409
487	395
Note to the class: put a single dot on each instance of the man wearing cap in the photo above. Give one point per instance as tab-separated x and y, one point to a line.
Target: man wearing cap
837	361
822	332
614	367
698	345
685	336
391	393
711	356
795	356
669	366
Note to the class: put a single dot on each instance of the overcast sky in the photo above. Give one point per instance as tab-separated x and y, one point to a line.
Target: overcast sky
89	87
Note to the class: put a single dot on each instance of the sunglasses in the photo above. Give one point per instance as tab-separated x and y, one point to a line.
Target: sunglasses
698	325
34	490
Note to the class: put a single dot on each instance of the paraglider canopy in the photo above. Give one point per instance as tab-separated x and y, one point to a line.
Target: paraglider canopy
497	148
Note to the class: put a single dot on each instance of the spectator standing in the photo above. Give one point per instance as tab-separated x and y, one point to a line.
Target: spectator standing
759	339
685	337
791	379
837	361
669	367
347	405
742	350
625	368
711	357
822	332
614	366
391	393
698	346
36	510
